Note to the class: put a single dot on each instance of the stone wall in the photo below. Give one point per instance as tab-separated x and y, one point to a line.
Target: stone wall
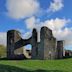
14	41
34	44
47	48
59	49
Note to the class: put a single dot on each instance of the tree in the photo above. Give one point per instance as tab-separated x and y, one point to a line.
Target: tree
2	51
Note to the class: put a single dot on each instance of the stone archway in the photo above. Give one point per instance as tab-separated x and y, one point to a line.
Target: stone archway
14	41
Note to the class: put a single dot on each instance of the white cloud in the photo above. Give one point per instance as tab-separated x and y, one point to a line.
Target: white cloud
65	35
22	8
56	5
68	38
56	24
26	35
30	22
62	34
3	38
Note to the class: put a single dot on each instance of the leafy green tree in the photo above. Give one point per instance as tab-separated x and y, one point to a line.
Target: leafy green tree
2	51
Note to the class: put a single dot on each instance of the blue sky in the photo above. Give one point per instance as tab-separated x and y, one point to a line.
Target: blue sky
7	22
62	14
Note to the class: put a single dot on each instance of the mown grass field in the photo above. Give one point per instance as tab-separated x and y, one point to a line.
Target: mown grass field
64	65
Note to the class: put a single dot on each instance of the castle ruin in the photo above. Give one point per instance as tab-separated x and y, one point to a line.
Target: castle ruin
47	48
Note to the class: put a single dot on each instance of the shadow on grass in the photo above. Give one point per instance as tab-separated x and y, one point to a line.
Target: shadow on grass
67	57
13	59
64	57
7	68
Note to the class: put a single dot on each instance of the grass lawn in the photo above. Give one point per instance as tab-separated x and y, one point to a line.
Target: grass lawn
64	65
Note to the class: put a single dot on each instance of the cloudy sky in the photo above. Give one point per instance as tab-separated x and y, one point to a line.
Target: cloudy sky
24	15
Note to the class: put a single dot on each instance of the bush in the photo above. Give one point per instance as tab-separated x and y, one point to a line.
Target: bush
2	51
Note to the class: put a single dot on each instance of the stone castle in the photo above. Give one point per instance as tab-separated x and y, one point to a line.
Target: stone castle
47	48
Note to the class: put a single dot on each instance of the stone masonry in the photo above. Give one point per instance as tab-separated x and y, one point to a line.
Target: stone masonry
59	49
47	48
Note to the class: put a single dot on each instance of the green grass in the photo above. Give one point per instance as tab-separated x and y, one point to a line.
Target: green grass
64	65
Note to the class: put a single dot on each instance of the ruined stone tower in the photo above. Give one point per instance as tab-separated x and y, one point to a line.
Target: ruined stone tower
47	45
47	48
59	49
12	38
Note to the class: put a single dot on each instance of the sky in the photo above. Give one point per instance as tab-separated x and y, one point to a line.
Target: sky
24	15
